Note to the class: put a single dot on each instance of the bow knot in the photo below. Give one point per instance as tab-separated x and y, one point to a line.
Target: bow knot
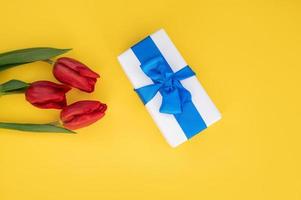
174	95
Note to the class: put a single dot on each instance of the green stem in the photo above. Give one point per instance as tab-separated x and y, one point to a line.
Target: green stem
50	128
49	61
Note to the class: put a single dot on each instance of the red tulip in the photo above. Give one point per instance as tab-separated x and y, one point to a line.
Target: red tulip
46	94
82	113
75	74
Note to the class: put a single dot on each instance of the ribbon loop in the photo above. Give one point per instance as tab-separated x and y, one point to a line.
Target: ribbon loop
174	95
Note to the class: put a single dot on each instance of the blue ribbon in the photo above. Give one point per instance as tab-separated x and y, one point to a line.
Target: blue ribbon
176	100
174	95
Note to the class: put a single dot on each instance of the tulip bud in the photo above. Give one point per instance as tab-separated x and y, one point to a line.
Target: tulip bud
75	74
46	94
82	113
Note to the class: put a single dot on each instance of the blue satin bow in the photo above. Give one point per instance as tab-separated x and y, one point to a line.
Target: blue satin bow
174	95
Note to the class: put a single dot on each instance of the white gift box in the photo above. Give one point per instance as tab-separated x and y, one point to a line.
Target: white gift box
168	124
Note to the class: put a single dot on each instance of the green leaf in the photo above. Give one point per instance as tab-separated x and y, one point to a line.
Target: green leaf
13	86
24	56
35	127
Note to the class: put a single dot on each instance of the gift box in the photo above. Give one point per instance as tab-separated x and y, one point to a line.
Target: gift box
168	88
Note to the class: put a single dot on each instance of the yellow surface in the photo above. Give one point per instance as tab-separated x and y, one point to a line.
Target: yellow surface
247	56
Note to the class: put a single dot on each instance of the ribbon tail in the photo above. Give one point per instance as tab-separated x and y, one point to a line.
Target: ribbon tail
148	92
185	95
171	102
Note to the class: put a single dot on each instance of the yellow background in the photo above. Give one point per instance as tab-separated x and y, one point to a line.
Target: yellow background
247	56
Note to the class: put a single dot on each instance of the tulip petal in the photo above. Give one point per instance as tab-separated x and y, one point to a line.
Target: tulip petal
78	66
84	120
82	113
46	94
70	77
79	108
